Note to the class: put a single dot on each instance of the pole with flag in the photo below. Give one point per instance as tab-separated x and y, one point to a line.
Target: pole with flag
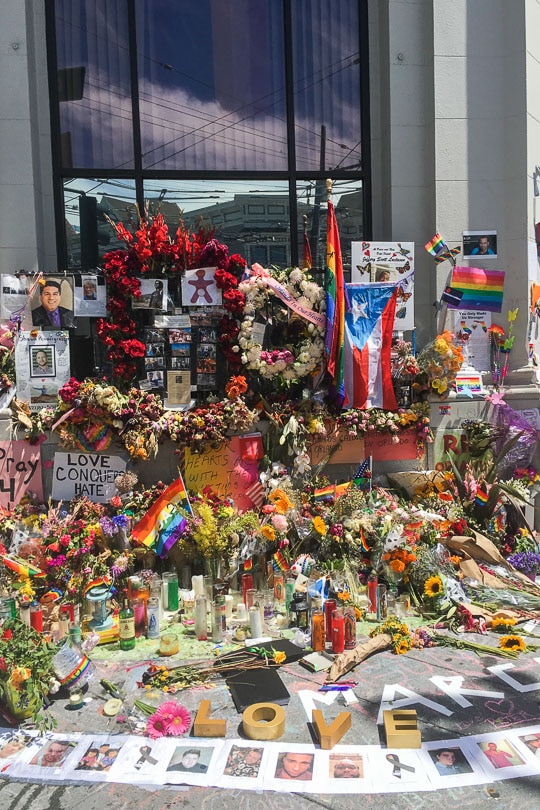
307	261
335	301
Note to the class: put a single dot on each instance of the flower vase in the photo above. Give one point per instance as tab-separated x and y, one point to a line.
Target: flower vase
212	567
20	704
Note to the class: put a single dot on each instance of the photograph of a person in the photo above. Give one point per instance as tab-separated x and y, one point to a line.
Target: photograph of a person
53	754
155	378
153	362
243	762
153	295
42	361
179	335
292	765
190	760
450	761
98	757
346	766
11	744
89	289
207	335
532	741
500	754
482	244
55	304
180	363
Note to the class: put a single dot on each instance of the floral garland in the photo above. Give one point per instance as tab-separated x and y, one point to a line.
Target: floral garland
152	251
303	347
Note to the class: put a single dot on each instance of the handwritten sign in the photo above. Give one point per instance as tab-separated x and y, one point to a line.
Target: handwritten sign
354	449
20	472
87	474
224	470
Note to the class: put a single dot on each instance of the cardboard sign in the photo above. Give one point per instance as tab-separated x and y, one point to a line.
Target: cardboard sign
20	472
224	470
87	474
353	450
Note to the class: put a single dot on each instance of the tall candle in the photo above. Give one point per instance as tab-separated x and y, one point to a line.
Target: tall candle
197	583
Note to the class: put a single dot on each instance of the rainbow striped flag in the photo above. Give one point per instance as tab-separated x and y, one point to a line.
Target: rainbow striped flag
482	289
335	304
435	245
481	498
334	491
160	528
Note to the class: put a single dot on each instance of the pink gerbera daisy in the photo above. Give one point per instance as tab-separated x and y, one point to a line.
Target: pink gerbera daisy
156	726
175	717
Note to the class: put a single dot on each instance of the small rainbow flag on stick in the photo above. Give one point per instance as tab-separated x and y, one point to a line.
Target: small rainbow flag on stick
160	528
435	245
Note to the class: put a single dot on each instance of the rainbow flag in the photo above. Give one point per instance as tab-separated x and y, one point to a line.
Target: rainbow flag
449	254
481	498
160	528
333	491
482	289
335	304
435	245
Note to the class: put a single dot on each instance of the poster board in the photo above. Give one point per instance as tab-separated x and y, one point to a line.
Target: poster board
90	474
373	262
353	450
42	366
224	469
20	472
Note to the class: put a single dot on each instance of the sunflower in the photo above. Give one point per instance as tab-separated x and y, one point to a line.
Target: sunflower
268	532
512	643
500	623
433	587
402	646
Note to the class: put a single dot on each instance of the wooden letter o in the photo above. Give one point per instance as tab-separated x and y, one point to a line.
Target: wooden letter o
264	721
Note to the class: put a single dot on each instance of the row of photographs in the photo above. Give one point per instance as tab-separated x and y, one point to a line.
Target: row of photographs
285	767
53	302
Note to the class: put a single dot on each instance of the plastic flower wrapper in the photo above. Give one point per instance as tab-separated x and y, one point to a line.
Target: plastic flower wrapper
439	363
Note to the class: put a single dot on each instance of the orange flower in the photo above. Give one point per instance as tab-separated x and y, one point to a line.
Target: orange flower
398	566
236	387
281	501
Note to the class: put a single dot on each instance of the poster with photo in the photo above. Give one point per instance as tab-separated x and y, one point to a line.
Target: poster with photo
97	758
180	363
180	349
151	363
387	263
154	334
12	743
156	378
243	764
41	366
154	350
142	760
345	769
47	758
293	763
154	295
451	763
501	758
206	358
178	387
480	244
190	764
199	288
90	294
51	304
15	291
182	335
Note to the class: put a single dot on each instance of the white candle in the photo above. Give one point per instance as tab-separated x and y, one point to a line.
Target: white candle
228	605
197	583
241	612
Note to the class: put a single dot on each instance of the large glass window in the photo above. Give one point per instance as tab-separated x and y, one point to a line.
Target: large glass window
233	111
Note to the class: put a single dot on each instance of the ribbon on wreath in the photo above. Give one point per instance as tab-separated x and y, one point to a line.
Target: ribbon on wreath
259	272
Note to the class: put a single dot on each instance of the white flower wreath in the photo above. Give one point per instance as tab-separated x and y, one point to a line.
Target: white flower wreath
304	353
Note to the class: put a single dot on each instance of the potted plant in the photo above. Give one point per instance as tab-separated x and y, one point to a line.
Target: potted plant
25	670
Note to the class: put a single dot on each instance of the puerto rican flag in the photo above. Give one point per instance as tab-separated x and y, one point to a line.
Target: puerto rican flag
369	322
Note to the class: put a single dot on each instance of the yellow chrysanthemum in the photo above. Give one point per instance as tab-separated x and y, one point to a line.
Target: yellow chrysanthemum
433	586
319	525
512	643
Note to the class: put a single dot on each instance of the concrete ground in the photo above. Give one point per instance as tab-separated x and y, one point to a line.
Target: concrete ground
412	671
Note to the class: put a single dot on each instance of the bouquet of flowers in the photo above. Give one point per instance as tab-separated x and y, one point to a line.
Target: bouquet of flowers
439	363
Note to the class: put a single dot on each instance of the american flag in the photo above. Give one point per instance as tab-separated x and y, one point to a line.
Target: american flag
364	469
255	493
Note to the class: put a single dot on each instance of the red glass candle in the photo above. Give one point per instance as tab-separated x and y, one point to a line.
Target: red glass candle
373	581
338	631
329	606
247	585
36	617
